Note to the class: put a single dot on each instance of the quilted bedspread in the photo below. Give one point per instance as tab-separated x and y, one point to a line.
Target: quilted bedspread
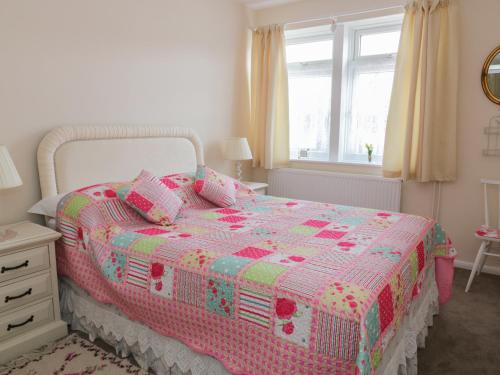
267	286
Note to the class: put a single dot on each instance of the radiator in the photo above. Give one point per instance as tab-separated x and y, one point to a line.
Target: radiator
339	188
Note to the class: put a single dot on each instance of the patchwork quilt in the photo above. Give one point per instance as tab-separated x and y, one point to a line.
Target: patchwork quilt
267	286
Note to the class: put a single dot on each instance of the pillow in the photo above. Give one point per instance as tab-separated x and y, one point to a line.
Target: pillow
152	200
215	187
47	206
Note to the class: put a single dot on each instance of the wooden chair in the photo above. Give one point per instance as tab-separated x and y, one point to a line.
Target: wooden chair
487	233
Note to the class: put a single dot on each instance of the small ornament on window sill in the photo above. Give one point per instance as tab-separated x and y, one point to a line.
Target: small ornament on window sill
369	149
303	153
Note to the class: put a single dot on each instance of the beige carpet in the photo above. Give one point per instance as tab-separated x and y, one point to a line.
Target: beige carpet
70	356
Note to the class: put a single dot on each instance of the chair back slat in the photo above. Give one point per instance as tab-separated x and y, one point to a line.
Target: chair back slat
496	184
486	210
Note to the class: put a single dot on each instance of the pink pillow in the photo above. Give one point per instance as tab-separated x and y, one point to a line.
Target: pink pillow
152	200
215	187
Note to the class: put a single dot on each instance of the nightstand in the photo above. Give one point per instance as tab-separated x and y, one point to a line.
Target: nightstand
29	296
258	187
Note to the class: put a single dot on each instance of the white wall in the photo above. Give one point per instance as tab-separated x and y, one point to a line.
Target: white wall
175	62
461	207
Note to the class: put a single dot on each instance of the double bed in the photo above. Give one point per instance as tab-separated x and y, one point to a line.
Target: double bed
266	286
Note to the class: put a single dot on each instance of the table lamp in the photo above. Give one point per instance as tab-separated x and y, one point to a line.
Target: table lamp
237	149
9	178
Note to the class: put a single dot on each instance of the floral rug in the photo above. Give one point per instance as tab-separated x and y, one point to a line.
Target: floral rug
70	356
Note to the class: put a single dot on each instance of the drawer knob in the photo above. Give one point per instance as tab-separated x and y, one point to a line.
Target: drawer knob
12	326
10	298
24	264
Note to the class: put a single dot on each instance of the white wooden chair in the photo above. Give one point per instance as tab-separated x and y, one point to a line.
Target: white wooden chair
487	233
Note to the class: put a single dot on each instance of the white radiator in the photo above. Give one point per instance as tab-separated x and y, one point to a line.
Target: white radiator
340	188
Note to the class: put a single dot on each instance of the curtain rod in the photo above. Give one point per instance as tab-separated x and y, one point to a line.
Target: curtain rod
334	17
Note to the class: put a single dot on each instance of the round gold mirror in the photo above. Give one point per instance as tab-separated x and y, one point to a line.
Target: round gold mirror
490	78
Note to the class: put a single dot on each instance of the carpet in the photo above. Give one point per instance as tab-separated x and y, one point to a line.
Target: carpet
72	355
465	338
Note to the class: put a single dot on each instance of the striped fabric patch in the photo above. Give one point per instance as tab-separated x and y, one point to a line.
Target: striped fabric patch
304	282
337	337
138	272
255	307
115	210
69	232
189	288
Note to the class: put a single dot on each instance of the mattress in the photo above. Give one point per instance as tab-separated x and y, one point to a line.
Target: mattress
269	285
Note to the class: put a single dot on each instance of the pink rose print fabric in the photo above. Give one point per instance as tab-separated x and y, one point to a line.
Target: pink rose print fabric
267	286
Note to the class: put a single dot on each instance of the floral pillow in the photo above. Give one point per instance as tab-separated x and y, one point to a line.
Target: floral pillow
148	196
215	187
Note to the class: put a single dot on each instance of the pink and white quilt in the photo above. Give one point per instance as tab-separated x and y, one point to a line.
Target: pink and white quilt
267	286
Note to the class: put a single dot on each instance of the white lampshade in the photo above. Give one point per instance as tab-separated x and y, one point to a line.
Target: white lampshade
9	177
237	149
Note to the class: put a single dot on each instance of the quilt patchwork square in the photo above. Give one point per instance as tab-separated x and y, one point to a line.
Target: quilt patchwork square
293	321
220	295
229	265
331	234
316	223
148	244
162	280
337	336
232	218
386	307
252	252
345	298
114	267
255	307
263	272
75	204
372	324
198	259
304	229
189	288
125	239
138	272
152	231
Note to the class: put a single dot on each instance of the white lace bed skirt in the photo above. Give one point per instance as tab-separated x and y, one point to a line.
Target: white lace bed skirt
168	356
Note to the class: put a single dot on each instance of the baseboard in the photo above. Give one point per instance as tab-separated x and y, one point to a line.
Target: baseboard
468	266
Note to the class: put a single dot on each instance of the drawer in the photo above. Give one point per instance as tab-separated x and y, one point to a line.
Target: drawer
22	320
24	262
22	292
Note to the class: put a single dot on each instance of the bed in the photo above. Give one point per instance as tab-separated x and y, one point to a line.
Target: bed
267	286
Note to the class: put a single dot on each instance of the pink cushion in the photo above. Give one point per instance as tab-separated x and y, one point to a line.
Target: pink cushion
152	199
484	231
215	187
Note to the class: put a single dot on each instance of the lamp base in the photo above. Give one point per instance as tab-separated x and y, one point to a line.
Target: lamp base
238	170
7	234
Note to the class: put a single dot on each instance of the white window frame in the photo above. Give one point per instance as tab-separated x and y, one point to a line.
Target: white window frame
346	45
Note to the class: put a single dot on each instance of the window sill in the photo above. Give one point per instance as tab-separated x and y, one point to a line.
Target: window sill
346	163
345	167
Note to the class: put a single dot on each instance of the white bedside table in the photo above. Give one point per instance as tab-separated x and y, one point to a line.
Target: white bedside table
258	187
29	296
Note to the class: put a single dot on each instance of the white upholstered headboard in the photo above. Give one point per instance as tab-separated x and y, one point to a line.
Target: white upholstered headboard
73	157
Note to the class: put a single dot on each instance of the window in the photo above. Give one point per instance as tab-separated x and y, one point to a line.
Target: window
340	82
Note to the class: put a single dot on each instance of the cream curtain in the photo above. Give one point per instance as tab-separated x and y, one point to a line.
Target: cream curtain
420	141
269	98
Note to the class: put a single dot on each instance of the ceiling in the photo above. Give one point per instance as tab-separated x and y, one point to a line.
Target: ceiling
260	4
